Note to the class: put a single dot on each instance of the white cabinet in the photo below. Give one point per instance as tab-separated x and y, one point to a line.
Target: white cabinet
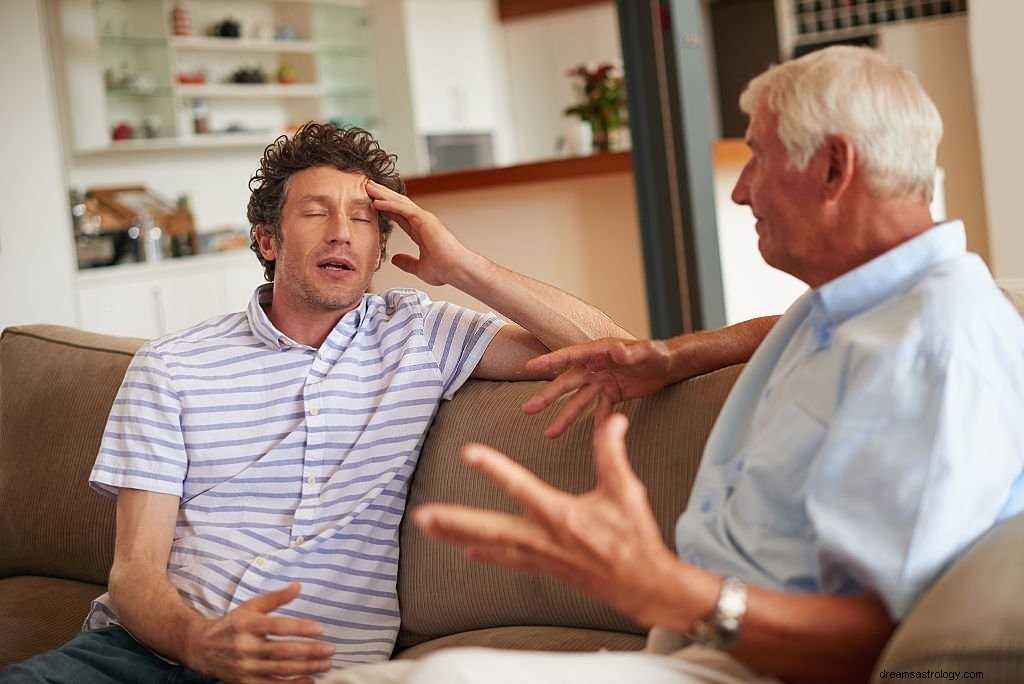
150	300
452	64
132	82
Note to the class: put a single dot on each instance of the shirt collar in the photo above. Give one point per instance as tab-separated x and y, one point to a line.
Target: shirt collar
267	332
885	275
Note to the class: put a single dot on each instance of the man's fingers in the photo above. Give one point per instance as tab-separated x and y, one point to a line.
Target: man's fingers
290	649
536	495
278	625
572	410
610	455
405	262
472	526
552	391
268	602
603	409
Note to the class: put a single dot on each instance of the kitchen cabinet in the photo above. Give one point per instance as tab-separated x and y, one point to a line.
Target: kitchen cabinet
132	83
149	300
453	81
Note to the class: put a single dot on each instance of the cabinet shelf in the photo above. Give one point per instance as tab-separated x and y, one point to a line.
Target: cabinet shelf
134	92
243	90
134	41
203	44
195	142
154	80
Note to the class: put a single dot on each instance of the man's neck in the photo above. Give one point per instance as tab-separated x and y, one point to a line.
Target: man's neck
305	327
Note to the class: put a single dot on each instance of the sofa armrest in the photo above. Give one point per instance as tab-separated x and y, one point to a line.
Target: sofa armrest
972	619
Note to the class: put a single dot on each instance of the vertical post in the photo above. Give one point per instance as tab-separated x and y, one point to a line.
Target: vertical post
672	138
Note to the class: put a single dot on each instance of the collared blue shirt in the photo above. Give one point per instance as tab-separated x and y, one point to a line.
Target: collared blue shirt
873	436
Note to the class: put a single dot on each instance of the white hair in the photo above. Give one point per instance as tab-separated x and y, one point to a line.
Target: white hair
882	108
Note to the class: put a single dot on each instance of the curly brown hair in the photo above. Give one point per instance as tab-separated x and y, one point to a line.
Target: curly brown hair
346	148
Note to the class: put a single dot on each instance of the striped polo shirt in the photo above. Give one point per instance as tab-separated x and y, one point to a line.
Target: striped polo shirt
291	463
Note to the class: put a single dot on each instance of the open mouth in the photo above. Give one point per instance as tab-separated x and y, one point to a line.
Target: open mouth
336	265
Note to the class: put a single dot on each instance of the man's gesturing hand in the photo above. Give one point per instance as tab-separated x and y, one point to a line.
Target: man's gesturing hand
606	541
606	371
248	645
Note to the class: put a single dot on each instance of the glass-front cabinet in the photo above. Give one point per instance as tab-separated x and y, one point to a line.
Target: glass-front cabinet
158	74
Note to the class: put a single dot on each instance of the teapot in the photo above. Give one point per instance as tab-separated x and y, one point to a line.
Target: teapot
229	28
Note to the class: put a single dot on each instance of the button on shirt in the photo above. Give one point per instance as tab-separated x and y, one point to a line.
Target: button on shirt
291	463
874	434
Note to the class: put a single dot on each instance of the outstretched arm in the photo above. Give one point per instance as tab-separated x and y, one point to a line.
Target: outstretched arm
246	644
608	371
546	318
607	543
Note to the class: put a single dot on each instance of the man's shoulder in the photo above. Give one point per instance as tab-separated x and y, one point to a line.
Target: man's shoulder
399	297
213	331
954	306
401	301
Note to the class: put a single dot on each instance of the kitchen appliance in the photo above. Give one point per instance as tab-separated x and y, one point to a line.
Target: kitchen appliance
129	224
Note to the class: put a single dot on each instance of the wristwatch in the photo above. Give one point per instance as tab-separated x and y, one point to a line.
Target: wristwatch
722	629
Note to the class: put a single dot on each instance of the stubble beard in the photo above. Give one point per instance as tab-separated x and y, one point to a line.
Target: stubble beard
304	290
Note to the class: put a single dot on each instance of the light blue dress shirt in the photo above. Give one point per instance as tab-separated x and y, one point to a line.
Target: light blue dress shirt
875	434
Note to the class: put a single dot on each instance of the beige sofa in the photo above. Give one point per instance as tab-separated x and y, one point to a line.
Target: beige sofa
56	535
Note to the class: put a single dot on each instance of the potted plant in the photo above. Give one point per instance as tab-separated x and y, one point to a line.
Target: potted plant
602	102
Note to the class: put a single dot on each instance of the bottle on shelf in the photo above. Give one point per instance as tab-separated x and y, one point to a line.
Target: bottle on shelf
200	117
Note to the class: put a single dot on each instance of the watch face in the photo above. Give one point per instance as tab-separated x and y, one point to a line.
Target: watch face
732	603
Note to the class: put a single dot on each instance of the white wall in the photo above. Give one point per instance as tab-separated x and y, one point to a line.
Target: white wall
539	52
37	262
995	46
936	51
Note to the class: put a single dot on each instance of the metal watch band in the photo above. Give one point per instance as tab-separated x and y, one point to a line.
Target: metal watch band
722	629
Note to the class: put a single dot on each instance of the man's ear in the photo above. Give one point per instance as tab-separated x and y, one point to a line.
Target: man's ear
841	163
382	252
266	242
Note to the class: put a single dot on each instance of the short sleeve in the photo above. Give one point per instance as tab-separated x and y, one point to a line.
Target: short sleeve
910	473
142	446
458	338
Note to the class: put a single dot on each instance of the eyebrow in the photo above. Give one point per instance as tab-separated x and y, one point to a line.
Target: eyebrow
326	199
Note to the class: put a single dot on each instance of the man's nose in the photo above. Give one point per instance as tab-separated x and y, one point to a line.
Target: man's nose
340	229
741	191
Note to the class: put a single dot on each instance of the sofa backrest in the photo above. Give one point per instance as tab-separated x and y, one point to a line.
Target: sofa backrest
441	593
56	388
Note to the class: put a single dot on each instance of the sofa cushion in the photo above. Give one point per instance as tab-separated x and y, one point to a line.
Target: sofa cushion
440	591
23	600
972	619
532	639
48	442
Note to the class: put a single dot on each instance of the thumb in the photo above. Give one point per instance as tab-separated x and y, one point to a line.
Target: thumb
405	262
266	603
610	456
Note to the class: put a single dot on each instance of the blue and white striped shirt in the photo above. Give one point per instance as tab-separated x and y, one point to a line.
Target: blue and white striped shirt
292	463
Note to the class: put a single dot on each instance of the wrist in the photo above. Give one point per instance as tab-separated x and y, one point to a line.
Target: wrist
721	630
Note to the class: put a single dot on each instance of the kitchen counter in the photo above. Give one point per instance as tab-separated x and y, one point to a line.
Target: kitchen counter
556	169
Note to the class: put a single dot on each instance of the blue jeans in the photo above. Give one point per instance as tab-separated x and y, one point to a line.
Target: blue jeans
105	656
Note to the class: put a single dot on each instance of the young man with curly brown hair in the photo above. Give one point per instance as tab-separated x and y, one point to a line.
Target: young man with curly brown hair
261	459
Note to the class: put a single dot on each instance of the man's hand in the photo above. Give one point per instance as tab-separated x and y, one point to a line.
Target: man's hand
248	645
605	371
606	542
441	253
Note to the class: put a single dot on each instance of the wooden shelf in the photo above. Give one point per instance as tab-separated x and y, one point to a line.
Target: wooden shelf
558	169
518	9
